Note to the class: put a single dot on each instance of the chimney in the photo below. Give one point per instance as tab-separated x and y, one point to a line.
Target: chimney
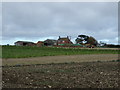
59	37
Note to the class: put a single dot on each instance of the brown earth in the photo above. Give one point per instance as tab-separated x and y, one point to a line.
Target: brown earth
104	48
60	59
65	75
74	71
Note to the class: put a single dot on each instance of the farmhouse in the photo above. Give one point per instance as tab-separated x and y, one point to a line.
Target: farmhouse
64	40
81	41
50	42
24	43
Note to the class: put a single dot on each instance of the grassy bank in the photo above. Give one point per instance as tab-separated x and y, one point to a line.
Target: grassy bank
25	52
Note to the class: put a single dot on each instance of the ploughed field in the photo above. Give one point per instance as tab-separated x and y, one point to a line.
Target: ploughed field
97	74
51	67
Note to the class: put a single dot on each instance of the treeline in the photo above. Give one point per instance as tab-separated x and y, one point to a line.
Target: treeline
112	46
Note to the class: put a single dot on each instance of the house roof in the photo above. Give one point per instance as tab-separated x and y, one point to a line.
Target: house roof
65	39
51	40
23	42
40	41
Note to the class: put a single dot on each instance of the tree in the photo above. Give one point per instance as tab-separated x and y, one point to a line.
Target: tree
102	43
92	41
84	39
78	40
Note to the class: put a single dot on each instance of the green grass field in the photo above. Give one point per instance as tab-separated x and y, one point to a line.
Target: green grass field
26	51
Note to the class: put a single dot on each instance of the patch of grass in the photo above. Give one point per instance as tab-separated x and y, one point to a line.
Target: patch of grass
99	61
115	60
27	51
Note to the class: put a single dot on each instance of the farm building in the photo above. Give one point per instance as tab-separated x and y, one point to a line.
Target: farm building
40	43
24	43
50	42
64	40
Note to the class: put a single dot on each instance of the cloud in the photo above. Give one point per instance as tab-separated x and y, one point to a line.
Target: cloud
1	22
41	20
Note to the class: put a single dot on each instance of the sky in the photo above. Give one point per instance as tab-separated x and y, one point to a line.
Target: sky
38	21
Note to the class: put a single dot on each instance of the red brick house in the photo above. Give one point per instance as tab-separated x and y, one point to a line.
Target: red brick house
40	43
64	40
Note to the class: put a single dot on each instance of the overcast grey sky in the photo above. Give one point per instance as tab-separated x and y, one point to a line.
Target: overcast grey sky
36	21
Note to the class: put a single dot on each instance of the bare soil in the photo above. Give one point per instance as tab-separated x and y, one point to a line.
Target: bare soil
60	59
105	48
74	71
63	75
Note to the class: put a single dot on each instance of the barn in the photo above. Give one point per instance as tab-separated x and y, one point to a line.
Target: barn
50	42
24	43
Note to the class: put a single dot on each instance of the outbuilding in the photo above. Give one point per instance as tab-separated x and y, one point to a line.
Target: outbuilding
24	43
50	42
